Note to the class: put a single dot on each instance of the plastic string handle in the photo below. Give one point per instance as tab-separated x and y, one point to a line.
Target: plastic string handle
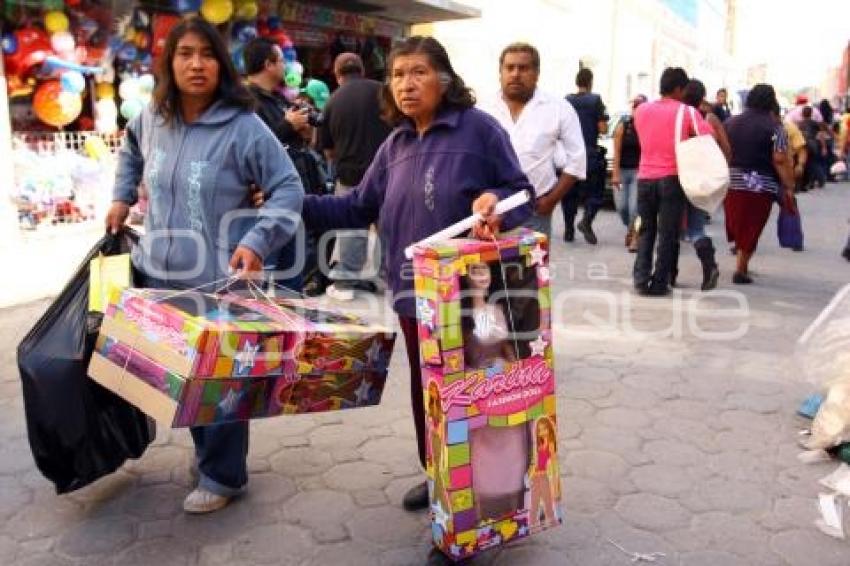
467	223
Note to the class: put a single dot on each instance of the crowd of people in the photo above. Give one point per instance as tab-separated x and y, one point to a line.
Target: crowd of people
412	156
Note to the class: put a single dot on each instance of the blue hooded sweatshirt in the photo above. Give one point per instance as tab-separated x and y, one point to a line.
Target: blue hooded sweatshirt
418	185
197	175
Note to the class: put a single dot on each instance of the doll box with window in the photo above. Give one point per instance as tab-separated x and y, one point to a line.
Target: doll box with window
190	358
483	311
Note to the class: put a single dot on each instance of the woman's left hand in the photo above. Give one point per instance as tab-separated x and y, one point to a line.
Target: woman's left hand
488	228
246	264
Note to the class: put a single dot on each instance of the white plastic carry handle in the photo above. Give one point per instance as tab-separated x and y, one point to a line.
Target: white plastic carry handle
467	223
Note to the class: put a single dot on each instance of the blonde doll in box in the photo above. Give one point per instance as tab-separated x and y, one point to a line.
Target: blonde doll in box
543	472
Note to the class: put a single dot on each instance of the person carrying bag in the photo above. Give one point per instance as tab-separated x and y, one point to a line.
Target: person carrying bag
703	171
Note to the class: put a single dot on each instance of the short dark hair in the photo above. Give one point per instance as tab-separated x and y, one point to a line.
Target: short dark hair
348	64
671	79
723	90
166	96
457	94
257	53
584	78
521	47
694	93
763	97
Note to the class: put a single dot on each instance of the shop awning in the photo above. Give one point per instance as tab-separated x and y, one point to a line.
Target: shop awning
406	11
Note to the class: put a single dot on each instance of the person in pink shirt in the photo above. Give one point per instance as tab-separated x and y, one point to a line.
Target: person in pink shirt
661	200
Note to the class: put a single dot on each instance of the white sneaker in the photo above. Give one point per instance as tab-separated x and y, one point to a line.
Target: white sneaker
203	501
342	295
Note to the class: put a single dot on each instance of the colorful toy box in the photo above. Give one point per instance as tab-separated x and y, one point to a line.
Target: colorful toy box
483	310
191	358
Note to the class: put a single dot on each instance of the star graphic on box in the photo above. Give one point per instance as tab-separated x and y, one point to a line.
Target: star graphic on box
373	354
538	255
544	274
362	392
245	358
538	346
440	516
230	402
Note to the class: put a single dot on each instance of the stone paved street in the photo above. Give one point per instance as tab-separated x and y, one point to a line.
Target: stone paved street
670	441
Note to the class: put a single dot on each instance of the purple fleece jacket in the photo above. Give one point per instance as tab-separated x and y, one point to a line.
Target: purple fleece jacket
416	186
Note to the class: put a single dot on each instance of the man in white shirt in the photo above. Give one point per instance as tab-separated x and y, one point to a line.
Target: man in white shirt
539	126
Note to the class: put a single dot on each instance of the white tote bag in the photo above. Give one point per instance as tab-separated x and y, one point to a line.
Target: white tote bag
703	171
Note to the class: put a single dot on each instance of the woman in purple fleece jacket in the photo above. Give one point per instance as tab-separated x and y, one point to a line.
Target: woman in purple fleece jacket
444	160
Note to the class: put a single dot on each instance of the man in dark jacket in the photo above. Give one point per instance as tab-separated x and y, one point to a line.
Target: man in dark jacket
264	66
350	135
594	121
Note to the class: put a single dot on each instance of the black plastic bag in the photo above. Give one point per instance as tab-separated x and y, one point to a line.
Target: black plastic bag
78	430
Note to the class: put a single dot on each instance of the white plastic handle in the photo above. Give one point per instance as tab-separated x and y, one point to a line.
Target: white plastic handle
467	223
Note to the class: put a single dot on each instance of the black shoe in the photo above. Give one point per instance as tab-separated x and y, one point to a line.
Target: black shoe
587	231
365	286
653	291
741	279
569	234
846	253
437	558
710	271
416	498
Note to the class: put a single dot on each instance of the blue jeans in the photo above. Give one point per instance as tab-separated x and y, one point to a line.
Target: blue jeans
222	449
353	250
696	223
625	199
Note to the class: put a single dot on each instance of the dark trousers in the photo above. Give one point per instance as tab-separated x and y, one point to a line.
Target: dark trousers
417	399
590	191
660	206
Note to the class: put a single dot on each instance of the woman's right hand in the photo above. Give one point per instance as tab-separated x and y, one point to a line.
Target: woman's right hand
615	181
117	216
258	199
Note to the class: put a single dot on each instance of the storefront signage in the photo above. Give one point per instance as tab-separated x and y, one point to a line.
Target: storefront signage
320	16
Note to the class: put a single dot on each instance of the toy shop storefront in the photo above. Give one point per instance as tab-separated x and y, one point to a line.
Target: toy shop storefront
74	71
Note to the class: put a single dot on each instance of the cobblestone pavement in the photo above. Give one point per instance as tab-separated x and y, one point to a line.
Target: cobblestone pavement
669	443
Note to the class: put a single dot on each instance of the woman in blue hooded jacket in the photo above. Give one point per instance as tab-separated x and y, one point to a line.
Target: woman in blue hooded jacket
444	160
198	148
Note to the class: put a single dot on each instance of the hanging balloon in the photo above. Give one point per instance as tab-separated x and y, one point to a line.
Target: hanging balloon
105	109
129	89
104	91
237	55
292	79
247	11
291	93
55	21
55	107
289	54
62	42
131	108
127	52
146	83
319	92
142	40
216	11
73	82
246	33
9	43
184	6
295	67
